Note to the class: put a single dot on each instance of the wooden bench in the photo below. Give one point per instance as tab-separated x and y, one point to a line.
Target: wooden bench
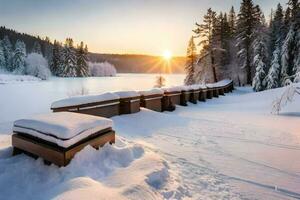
129	102
57	137
171	98
104	105
152	99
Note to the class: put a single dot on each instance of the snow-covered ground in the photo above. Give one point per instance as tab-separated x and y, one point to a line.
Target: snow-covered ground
226	148
9	78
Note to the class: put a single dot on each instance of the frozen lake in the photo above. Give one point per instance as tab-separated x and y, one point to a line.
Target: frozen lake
25	98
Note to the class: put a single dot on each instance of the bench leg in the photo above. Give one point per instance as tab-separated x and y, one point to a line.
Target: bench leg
16	151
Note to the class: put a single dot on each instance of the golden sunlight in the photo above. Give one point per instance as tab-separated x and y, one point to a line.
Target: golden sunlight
167	55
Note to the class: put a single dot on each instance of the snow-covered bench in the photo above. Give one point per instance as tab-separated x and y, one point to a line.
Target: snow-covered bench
129	102
152	99
172	97
57	137
104	105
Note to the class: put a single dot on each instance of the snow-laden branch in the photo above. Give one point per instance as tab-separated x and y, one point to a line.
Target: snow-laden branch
287	97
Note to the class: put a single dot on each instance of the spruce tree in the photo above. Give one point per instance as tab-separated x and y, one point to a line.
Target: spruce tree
246	23
57	62
18	60
290	49
82	61
276	26
206	30
273	77
207	33
69	59
8	53
36	48
190	63
2	57
232	21
260	52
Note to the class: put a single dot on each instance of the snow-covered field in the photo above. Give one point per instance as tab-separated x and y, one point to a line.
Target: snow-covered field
226	148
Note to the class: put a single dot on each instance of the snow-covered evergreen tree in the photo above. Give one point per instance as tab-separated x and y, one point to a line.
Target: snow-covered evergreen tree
69	59
18	60
247	20
82	61
8	53
47	49
2	58
36	48
56	65
273	77
261	58
190	63
276	29
289	55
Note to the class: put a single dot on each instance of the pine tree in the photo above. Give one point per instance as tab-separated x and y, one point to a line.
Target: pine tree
18	60
260	52
69	59
232	21
48	49
291	47
246	23
2	57
206	30
8	53
273	77
207	33
37	48
276	26
57	62
190	63
82	60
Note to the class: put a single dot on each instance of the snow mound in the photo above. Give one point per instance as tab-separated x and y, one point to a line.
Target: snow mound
10	78
157	179
113	172
80	100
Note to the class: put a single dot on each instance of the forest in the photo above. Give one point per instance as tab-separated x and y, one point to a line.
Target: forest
258	52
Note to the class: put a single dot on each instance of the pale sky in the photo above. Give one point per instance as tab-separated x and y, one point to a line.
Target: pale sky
116	26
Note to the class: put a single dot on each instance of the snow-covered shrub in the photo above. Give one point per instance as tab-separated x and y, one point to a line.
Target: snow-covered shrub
102	69
160	82
78	92
286	97
37	65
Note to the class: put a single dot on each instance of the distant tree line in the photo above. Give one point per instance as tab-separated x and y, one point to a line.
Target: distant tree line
267	53
64	60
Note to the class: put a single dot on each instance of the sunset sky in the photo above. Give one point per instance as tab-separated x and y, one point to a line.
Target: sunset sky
116	26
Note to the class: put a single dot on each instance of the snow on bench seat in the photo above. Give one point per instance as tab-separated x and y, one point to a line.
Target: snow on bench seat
172	89
81	100
63	128
127	94
223	83
154	91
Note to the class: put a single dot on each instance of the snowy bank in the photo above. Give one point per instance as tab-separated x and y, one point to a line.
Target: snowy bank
11	78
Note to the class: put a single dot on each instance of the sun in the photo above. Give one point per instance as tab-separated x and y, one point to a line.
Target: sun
167	55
